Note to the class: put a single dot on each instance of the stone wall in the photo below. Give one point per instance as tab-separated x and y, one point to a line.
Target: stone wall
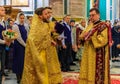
57	6
77	8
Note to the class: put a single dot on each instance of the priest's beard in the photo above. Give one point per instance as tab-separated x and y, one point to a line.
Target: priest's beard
46	20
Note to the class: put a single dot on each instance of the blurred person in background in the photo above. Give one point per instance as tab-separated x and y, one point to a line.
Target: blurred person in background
3	43
22	28
80	43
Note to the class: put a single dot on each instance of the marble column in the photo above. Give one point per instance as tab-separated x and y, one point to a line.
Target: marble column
117	9
77	8
59	8
113	11
1	2
108	10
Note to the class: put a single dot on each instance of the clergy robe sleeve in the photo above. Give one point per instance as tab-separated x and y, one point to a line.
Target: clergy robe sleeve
101	39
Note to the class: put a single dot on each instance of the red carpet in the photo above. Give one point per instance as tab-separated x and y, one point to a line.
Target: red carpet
72	78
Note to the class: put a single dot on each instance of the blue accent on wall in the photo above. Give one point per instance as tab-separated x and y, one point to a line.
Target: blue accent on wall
115	9
102	8
110	2
110	9
28	12
65	6
4	2
35	5
88	7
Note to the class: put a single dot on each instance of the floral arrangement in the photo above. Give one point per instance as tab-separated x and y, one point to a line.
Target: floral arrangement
9	35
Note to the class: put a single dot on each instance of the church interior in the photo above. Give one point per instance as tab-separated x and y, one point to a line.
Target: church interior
78	10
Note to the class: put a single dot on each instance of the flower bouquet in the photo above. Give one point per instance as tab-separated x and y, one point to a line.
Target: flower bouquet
9	35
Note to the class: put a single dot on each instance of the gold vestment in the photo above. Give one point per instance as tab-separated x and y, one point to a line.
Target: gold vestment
88	63
41	64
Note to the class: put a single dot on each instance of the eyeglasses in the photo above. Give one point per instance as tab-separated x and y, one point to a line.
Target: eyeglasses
92	15
49	12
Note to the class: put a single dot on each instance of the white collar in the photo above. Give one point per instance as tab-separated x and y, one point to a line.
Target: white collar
81	27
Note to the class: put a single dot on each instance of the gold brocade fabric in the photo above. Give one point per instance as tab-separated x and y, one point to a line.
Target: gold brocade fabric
41	64
88	63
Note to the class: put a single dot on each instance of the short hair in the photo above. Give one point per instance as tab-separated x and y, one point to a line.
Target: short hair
39	11
48	7
95	9
72	20
21	13
66	16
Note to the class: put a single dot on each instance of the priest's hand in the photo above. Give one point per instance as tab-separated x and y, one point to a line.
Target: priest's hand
53	43
64	46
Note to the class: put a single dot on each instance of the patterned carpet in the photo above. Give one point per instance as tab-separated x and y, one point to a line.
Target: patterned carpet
72	78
